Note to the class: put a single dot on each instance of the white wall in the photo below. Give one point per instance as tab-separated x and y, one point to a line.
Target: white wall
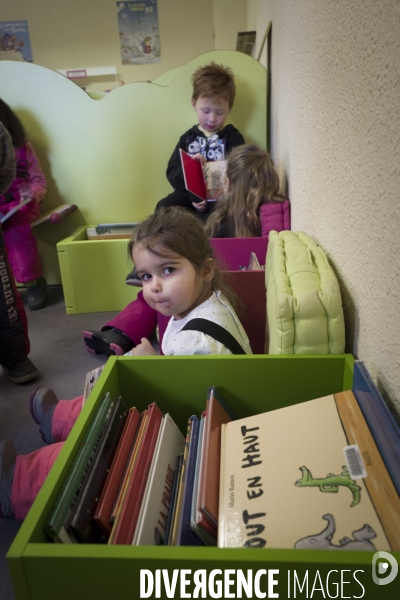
336	131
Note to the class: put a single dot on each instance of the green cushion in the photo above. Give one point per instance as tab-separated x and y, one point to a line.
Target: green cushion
304	308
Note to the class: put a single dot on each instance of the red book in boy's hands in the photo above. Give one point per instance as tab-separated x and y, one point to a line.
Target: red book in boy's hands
207	181
193	173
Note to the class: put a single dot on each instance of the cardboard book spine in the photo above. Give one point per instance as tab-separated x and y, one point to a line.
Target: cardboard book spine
199	524
55	526
174	498
221	536
128	470
378	482
218	413
126	524
153	516
82	523
181	486
383	426
115	474
186	537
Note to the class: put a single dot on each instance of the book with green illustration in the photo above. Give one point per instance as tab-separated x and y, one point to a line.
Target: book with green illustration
308	476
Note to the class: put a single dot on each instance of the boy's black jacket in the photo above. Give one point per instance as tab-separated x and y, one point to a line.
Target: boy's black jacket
194	141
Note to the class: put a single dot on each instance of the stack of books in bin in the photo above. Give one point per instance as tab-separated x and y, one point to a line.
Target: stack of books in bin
305	476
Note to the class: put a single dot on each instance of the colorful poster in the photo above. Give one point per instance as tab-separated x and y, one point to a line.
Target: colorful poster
138	32
14	41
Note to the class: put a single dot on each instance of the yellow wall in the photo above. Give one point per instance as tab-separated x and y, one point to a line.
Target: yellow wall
230	17
84	33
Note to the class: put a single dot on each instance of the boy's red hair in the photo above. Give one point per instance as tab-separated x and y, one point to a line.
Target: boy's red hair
214	81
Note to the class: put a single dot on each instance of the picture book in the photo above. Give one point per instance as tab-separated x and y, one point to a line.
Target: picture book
111	231
186	536
307	476
24	201
174	498
153	516
116	471
126	520
380	420
254	263
218	412
208	181
90	382
215	175
55	215
57	525
82	524
206	531
128	470
173	541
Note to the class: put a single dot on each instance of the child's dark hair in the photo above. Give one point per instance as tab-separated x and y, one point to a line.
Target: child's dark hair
214	81
253	181
176	229
13	125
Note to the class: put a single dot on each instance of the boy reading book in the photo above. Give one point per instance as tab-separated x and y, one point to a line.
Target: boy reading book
210	140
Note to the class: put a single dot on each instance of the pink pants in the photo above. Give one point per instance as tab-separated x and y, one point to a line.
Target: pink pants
21	244
32	469
137	320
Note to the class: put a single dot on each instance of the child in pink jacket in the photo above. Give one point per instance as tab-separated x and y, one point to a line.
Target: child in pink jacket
20	242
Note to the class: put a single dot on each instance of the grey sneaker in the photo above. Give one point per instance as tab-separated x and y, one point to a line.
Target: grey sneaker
22	371
42	403
7	464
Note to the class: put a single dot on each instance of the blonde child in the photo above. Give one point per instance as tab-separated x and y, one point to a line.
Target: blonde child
176	264
252	206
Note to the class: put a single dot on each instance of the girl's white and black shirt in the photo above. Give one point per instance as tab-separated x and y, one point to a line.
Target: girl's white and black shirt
216	309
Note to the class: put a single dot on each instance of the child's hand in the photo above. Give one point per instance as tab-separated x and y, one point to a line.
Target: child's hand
201	158
200	206
143	349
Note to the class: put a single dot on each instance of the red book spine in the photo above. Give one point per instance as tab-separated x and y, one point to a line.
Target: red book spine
108	495
126	524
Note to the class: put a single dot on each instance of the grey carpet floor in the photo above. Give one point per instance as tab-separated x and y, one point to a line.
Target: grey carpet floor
58	352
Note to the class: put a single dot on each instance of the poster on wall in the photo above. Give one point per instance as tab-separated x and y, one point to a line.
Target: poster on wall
14	41
138	32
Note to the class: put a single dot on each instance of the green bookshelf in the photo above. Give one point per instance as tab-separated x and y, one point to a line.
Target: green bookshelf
42	570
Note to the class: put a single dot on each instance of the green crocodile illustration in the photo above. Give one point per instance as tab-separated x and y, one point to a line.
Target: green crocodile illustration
331	483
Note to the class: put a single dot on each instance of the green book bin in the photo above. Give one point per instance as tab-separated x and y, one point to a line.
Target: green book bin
93	273
42	570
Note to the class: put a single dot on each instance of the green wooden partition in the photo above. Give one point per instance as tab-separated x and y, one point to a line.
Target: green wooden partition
109	155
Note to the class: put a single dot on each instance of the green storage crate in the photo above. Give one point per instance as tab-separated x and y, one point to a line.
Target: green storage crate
93	273
42	570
